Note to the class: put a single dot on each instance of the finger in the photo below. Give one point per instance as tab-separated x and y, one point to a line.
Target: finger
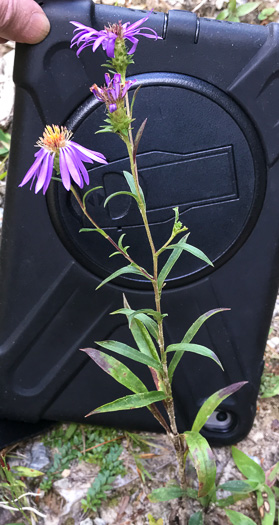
23	21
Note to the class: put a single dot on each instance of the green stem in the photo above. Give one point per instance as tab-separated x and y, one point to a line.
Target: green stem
83	208
177	440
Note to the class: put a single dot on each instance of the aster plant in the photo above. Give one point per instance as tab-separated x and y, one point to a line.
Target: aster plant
59	154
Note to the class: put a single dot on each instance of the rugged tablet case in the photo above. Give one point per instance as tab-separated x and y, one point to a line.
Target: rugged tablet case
211	147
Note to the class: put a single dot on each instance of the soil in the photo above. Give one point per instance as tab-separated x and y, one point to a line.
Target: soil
128	503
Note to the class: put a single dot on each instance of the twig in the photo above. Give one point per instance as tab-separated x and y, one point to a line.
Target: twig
199	6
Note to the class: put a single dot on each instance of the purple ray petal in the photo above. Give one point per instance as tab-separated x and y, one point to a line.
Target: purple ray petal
42	174
40	155
64	171
94	155
49	173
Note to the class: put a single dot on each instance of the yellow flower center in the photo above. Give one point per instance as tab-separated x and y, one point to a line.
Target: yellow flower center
54	138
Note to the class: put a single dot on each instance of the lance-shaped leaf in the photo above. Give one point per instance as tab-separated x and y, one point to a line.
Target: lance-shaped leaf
134	95
143	339
150	324
196	349
266	504
238	485
121	271
130	180
98	230
193	250
213	402
237	518
137	139
249	468
130	402
231	500
117	370
88	192
196	519
203	460
117	193
190	335
128	351
177	251
135	313
166	493
194	328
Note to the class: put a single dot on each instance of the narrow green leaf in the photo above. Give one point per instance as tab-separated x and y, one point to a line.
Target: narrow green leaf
128	351
90	191
120	193
231	500
249	468
143	338
177	251
98	230
222	15
196	349
190	335
130	181
196	519
121	271
70	431
166	493
203	460
3	175
117	370
266	504
237	518
213	402
133	99
134	313
198	324
247	8
238	485
27	472
193	250
138	137
130	402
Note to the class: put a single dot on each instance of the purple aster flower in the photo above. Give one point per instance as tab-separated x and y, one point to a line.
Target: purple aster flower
87	36
113	93
56	141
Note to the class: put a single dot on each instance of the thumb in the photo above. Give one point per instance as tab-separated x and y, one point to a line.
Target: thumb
23	21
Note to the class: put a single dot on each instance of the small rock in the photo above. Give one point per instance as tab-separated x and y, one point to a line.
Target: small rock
99	521
39	457
87	521
66	473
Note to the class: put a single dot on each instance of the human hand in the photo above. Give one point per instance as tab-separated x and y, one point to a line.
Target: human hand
23	21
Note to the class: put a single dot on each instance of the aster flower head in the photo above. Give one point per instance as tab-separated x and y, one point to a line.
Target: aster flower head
113	93
56	145
107	37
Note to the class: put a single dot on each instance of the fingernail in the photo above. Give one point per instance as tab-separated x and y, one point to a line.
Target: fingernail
40	27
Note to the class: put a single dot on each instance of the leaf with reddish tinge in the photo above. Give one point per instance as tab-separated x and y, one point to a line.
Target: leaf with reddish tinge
130	402
203	460
213	402
128	351
272	474
117	370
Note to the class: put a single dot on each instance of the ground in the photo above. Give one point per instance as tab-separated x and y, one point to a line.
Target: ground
127	502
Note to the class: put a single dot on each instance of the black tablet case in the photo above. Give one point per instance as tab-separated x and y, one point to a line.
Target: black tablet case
211	147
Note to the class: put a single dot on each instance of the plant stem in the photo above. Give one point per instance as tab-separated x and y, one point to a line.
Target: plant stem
83	208
177	440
